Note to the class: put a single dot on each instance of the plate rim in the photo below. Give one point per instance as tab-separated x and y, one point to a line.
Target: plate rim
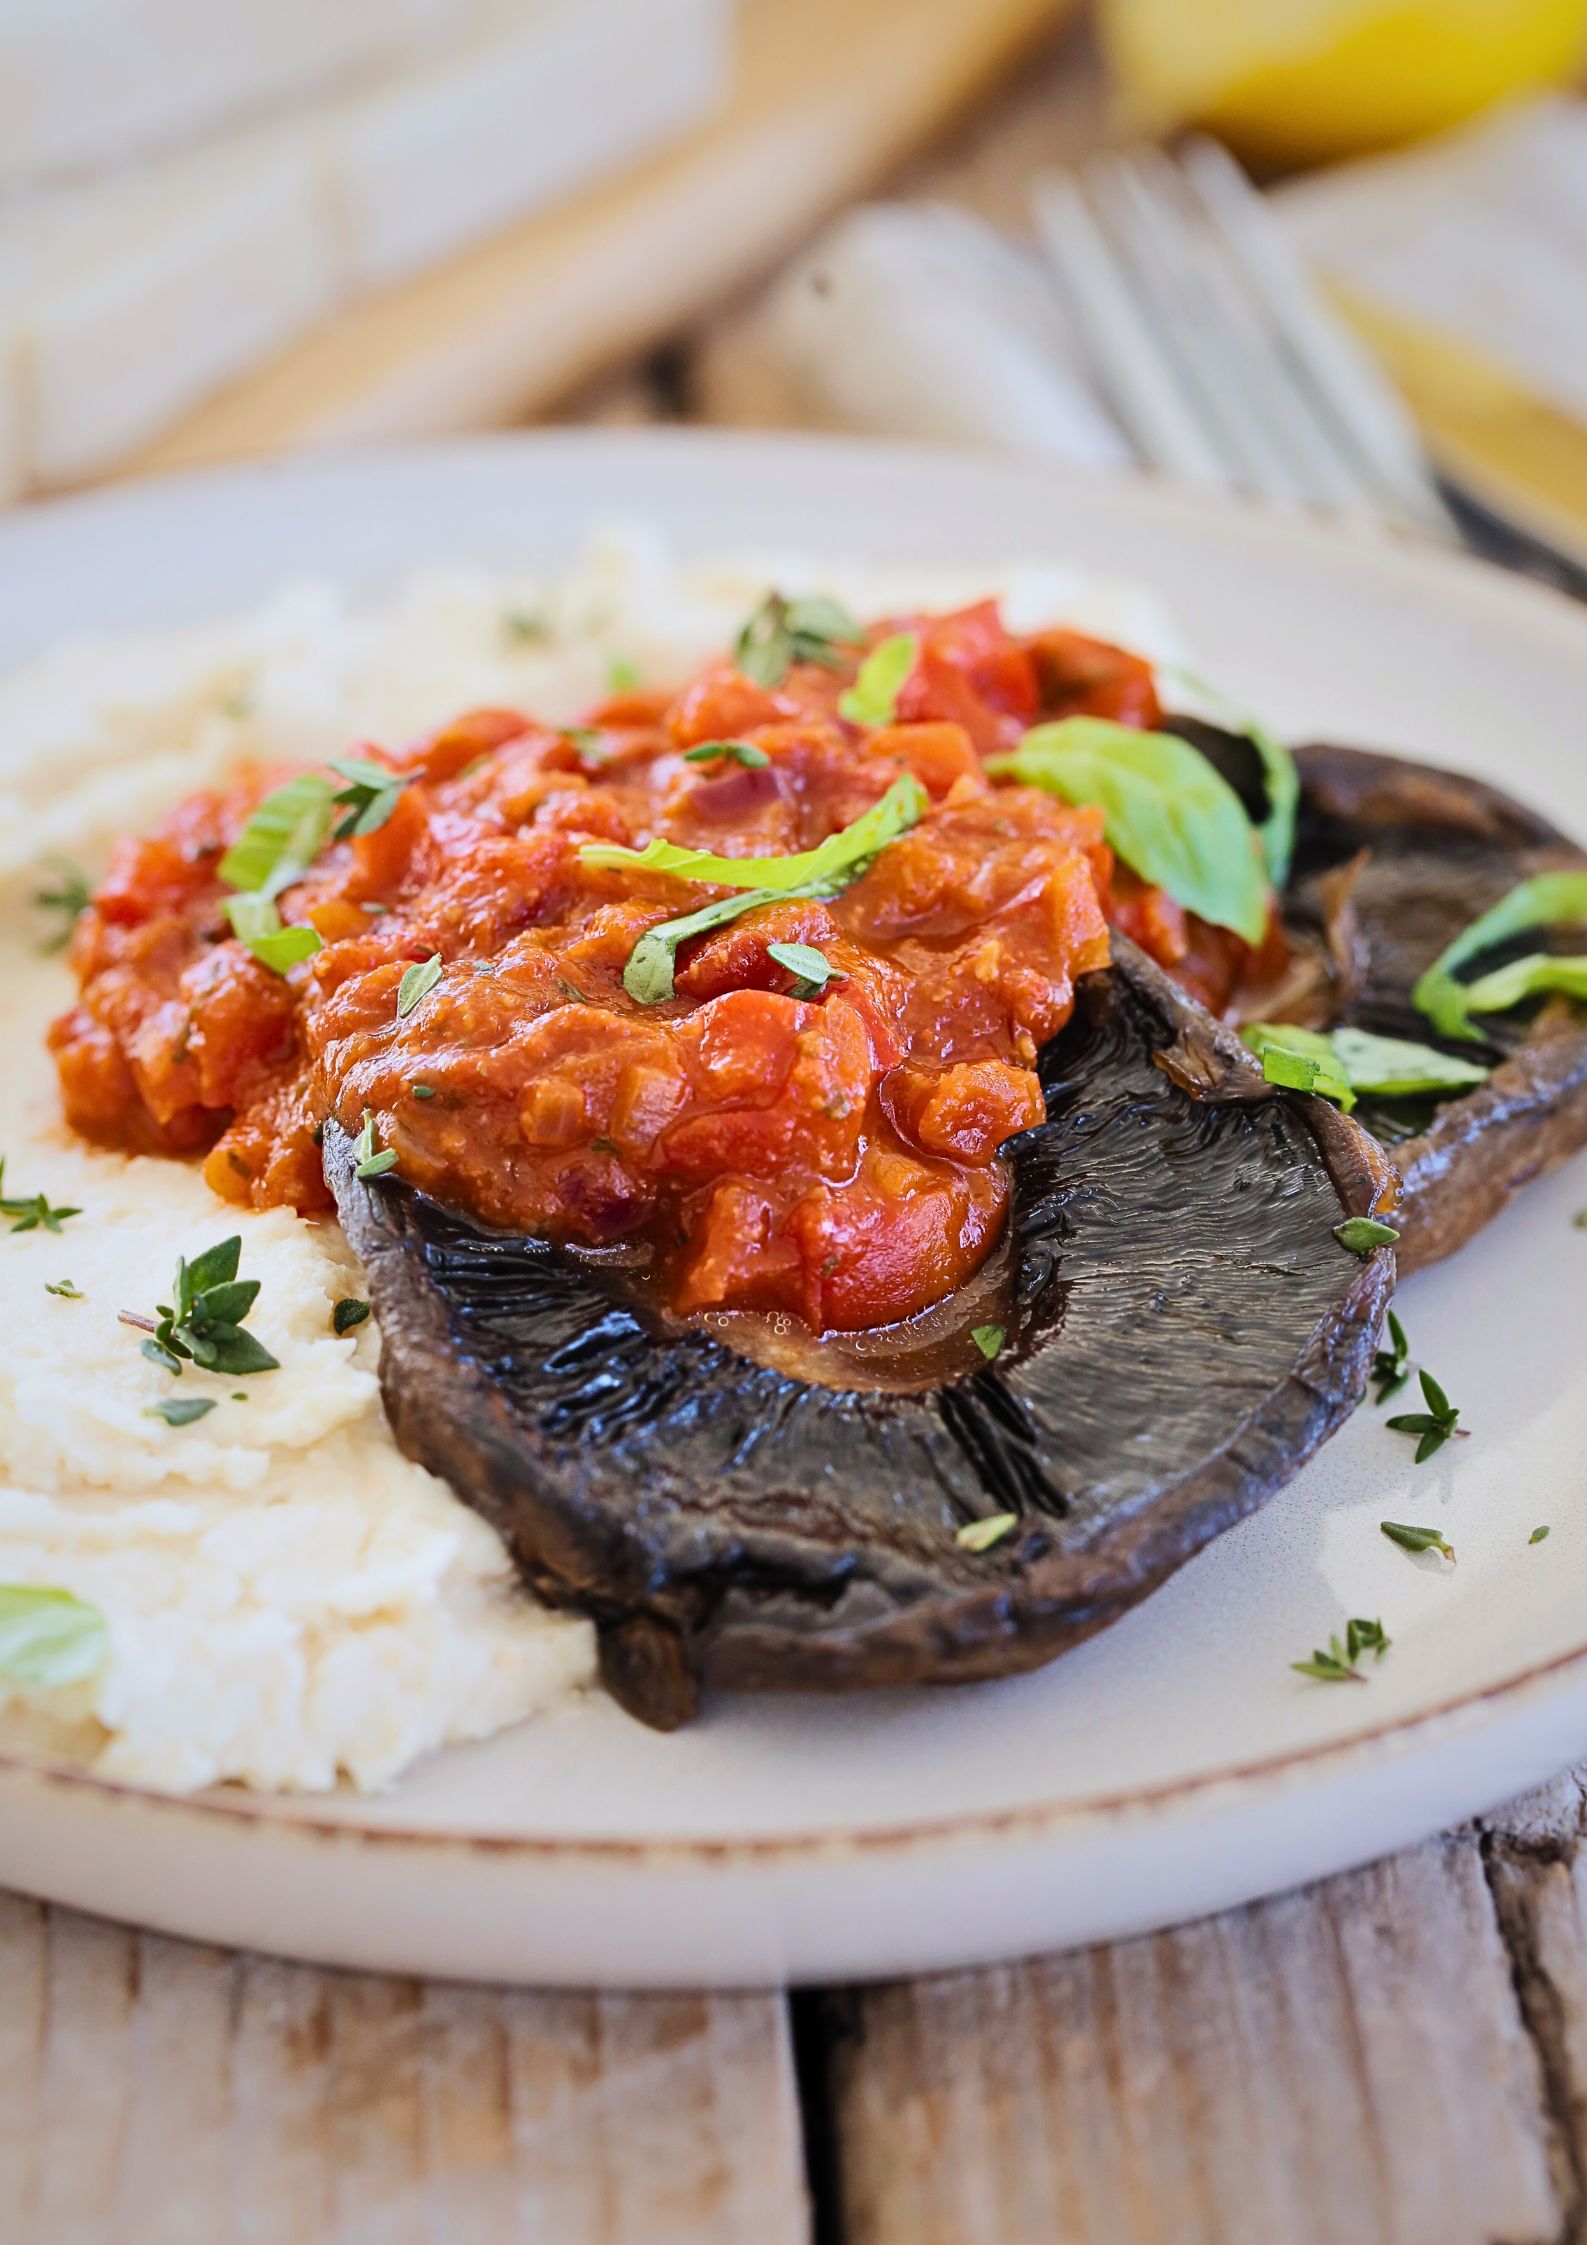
1313	529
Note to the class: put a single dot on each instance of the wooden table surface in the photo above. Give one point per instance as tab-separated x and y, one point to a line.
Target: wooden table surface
1394	2057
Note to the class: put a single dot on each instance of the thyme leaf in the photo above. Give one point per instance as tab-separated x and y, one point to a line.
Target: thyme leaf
69	898
1417	1539
417	982
1432	1427
980	1535
783	632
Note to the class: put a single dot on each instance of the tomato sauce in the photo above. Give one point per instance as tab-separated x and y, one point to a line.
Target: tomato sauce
829	1153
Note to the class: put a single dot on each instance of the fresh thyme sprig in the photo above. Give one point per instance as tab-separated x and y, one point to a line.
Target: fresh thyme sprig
32	1212
370	1161
1336	1664
783	632
1390	1368
203	1323
370	796
70	898
1434	1426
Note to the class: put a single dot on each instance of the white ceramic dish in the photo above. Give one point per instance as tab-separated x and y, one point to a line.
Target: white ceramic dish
1173	1765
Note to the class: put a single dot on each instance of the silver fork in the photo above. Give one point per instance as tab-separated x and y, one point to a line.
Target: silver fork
1206	339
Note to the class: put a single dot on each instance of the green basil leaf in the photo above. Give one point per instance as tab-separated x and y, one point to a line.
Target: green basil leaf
873	697
256	922
48	1636
1548	900
348	1312
1280	773
648	976
988	1339
841	856
1396	1068
1350	1060
1531	977
282	838
1174	821
417	982
1299	1060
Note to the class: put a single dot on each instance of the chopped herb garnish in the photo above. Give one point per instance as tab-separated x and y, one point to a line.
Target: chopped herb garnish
69	898
1280	775
48	1637
1531	977
783	632
422	1091
526	625
1348	1061
1435	1425
32	1212
1390	1370
348	1312
840	857
180	1410
1537	1535
823	871
988	1339
256	922
417	982
1548	900
571	991
623	674
282	837
586	742
1337	1664
1173	819
1417	1539
203	1322
371	1162
812	969
370	796
1361	1234
67	1291
726	752
980	1535
1580	1219
873	697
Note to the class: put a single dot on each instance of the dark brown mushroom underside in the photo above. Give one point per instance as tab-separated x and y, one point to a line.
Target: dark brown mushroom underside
1396	859
1183	1330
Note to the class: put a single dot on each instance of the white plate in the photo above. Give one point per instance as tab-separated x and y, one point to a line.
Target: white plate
1171	1766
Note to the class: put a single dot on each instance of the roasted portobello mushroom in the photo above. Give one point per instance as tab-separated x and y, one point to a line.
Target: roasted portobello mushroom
1182	1328
1394	860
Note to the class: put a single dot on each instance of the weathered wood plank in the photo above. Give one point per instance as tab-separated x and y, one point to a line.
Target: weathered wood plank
1344	2066
158	2093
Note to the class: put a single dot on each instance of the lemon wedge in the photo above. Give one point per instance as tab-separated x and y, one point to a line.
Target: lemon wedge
1318	79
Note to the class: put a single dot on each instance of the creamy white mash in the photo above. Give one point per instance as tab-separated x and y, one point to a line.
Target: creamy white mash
289	1602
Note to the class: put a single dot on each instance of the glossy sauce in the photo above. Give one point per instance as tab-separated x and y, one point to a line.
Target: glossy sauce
830	1155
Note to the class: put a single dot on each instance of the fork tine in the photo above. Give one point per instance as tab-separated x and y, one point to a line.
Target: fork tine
1140	384
1151	232
1251	369
1362	405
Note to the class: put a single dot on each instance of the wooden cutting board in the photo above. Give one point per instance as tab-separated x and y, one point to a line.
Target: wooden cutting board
830	94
